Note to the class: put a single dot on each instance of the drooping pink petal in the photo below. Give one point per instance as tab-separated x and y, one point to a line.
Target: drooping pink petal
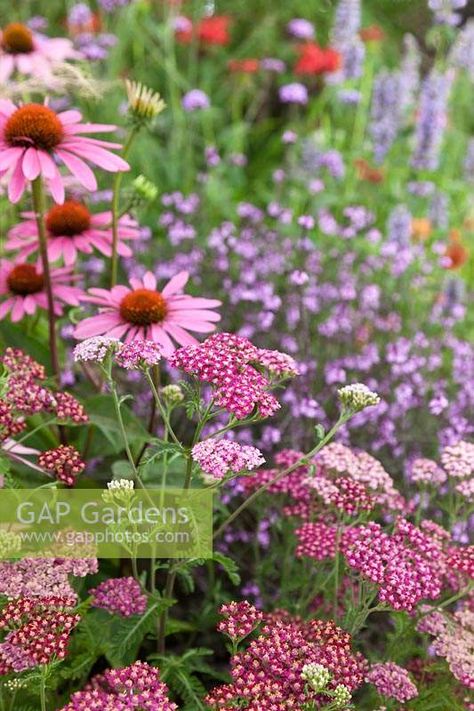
176	283
104	159
79	169
17	184
149	281
97	325
56	187
179	334
161	337
183	302
18	310
185	317
9	156
69	117
31	164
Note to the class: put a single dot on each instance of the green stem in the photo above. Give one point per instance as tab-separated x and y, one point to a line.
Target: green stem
43	689
39	209
116	208
301	462
160	407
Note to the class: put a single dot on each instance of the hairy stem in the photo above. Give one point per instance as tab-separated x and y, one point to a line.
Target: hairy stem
39	209
301	462
116	209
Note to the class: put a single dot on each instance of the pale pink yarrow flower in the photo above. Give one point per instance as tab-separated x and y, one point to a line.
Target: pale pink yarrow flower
27	52
33	138
141	311
392	681
24	289
138	355
72	228
219	457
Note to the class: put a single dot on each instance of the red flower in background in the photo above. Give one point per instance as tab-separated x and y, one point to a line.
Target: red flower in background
214	30
209	31
246	66
314	59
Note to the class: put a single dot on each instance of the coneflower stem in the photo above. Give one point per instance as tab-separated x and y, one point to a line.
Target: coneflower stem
116	208
39	209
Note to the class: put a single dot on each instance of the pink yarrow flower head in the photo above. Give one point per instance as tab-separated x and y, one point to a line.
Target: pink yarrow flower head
24	51
138	355
135	687
119	596
23	289
64	463
72	228
240	619
219	457
38	632
233	365
141	311
392	681
34	138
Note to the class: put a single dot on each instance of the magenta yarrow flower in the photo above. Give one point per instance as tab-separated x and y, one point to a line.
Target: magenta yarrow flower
240	619
38	632
140	311
138	354
72	228
392	681
268	673
134	687
219	457
33	138
119	596
63	462
23	289
233	365
27	52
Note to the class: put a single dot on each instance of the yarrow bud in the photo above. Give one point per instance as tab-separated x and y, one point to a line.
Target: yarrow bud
145	189
95	349
10	543
357	397
172	394
316	675
144	103
342	696
118	491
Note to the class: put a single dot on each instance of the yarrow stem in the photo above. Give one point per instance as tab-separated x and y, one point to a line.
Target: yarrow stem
344	417
39	209
116	208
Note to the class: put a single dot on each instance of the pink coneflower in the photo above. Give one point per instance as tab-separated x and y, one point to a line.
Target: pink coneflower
27	52
24	287
71	229
33	138
143	312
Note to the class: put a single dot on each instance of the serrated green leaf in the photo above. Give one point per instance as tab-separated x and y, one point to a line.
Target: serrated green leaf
229	566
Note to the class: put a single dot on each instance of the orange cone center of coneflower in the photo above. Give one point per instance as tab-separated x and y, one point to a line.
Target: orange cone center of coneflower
69	219
34	125
143	307
24	279
17	39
